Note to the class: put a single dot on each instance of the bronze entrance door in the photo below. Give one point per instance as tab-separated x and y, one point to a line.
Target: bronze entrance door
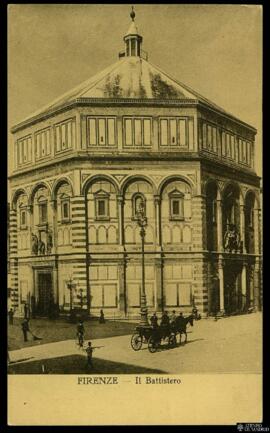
232	289
45	293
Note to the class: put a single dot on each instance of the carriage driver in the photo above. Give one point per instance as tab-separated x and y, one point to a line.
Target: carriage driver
180	320
154	320
173	317
165	321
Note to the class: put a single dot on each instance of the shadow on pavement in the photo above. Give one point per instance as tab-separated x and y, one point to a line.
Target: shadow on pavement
76	364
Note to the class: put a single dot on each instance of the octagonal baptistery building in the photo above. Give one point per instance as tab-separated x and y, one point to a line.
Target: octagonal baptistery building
83	162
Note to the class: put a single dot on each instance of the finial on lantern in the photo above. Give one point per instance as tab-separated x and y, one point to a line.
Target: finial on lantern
132	13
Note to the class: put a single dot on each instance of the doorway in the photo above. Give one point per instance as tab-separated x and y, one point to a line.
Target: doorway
45	293
232	289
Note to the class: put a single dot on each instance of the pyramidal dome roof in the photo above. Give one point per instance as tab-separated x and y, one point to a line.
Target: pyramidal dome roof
131	77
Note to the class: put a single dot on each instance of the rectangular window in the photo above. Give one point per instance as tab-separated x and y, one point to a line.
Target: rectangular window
23	218
110	295
69	135
173	138
92	132
228	146
138	132
133	294
244	152
101	132
214	130
58	139
65	209
101	208
128	132
209	137
111	132
43	213
19	153
182	131
43	145
147	132
232	147
48	142
177	207
171	294
204	136
29	148
133	42
96	295
223	143
63	136
190	134
24	150
184	294
164	132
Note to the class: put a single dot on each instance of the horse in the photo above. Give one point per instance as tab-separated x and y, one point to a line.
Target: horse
180	326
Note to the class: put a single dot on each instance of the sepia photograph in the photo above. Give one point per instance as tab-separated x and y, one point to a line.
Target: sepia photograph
135	197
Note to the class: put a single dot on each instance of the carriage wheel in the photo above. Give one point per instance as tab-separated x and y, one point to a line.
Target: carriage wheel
172	340
152	345
136	342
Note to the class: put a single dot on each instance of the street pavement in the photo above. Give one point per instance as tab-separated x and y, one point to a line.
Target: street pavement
228	345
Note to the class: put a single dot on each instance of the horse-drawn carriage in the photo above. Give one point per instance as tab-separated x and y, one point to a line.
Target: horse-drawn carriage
153	336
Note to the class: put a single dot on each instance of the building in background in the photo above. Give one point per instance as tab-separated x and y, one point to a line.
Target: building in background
84	162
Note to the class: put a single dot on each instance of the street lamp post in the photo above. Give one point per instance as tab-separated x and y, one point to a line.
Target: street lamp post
142	222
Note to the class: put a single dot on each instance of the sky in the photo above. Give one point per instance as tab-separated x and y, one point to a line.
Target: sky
214	49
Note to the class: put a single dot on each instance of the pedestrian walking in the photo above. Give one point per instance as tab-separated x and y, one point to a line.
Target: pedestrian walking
26	311
80	333
89	353
25	328
101	317
10	316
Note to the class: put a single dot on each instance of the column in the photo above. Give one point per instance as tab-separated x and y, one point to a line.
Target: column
251	286
79	264
13	252
242	227
30	225
122	287
157	201
219	225
120	201
199	222
221	286
244	285
257	234
159	298
54	225
257	288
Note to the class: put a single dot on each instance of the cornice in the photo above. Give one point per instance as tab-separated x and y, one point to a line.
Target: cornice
80	102
227	116
124	102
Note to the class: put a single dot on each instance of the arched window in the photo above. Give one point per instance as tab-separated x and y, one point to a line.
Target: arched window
43	210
